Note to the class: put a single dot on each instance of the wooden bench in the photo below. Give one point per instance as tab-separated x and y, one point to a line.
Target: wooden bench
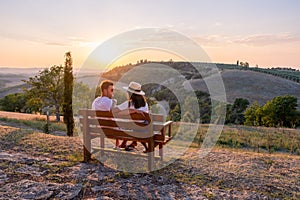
140	127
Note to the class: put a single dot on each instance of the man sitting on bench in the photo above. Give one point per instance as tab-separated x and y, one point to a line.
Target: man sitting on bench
104	102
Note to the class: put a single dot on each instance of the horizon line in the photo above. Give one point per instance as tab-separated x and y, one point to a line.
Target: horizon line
149	61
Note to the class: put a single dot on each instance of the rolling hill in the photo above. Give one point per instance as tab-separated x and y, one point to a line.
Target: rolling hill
254	86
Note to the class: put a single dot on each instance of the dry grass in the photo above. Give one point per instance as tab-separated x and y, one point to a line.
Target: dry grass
36	143
24	116
257	139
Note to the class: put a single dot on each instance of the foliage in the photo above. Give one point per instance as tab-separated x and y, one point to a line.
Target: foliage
68	94
175	114
236	111
83	96
33	104
202	100
204	103
166	95
190	113
47	87
251	115
280	111
286	73
121	96
26	103
13	102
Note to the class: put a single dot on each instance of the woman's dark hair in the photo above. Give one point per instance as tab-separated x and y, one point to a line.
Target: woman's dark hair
136	100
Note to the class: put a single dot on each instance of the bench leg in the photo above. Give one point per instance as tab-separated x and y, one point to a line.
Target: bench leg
86	148
161	151
102	145
151	156
86	154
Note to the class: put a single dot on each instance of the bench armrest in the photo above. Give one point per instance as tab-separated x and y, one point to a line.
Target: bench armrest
165	125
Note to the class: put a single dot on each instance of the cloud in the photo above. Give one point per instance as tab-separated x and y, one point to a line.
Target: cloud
68	41
218	24
267	39
213	40
56	43
71	41
251	40
79	41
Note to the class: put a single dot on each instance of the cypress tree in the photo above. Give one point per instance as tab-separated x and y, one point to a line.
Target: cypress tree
68	92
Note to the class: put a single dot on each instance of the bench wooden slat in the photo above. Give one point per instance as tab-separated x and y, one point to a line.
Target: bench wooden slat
108	114
115	133
123	124
157	117
136	125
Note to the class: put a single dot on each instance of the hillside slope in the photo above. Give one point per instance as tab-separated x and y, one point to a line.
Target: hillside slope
253	86
41	166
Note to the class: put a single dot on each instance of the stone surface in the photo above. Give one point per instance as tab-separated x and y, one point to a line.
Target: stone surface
28	189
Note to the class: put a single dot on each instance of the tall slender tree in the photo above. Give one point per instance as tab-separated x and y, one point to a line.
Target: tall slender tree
68	92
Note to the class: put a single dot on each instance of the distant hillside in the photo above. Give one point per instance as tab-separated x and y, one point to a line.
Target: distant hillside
254	84
187	69
12	90
11	79
283	72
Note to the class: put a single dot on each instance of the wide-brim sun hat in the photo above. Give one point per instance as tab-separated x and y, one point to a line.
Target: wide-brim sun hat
135	88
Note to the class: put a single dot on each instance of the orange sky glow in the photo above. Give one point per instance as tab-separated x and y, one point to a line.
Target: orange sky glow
268	35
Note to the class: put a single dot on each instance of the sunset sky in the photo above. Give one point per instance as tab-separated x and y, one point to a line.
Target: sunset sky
38	33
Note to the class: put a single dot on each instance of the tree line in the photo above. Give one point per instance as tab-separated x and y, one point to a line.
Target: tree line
281	111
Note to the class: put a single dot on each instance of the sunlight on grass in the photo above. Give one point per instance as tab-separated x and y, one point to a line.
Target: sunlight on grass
37	124
258	139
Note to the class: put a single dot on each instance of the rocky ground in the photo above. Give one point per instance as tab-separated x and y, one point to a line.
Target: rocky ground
34	165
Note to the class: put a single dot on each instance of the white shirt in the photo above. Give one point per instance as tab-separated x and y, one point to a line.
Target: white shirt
102	103
124	106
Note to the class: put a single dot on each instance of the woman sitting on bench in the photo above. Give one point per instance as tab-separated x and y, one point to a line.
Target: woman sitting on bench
137	101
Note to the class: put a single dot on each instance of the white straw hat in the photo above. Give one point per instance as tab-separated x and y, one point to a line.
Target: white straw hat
135	88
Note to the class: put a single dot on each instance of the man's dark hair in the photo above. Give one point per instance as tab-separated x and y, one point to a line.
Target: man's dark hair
103	85
136	100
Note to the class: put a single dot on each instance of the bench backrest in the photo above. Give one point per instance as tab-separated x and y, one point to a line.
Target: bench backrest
114	125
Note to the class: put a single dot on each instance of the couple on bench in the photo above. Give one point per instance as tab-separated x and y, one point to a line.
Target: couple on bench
136	102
